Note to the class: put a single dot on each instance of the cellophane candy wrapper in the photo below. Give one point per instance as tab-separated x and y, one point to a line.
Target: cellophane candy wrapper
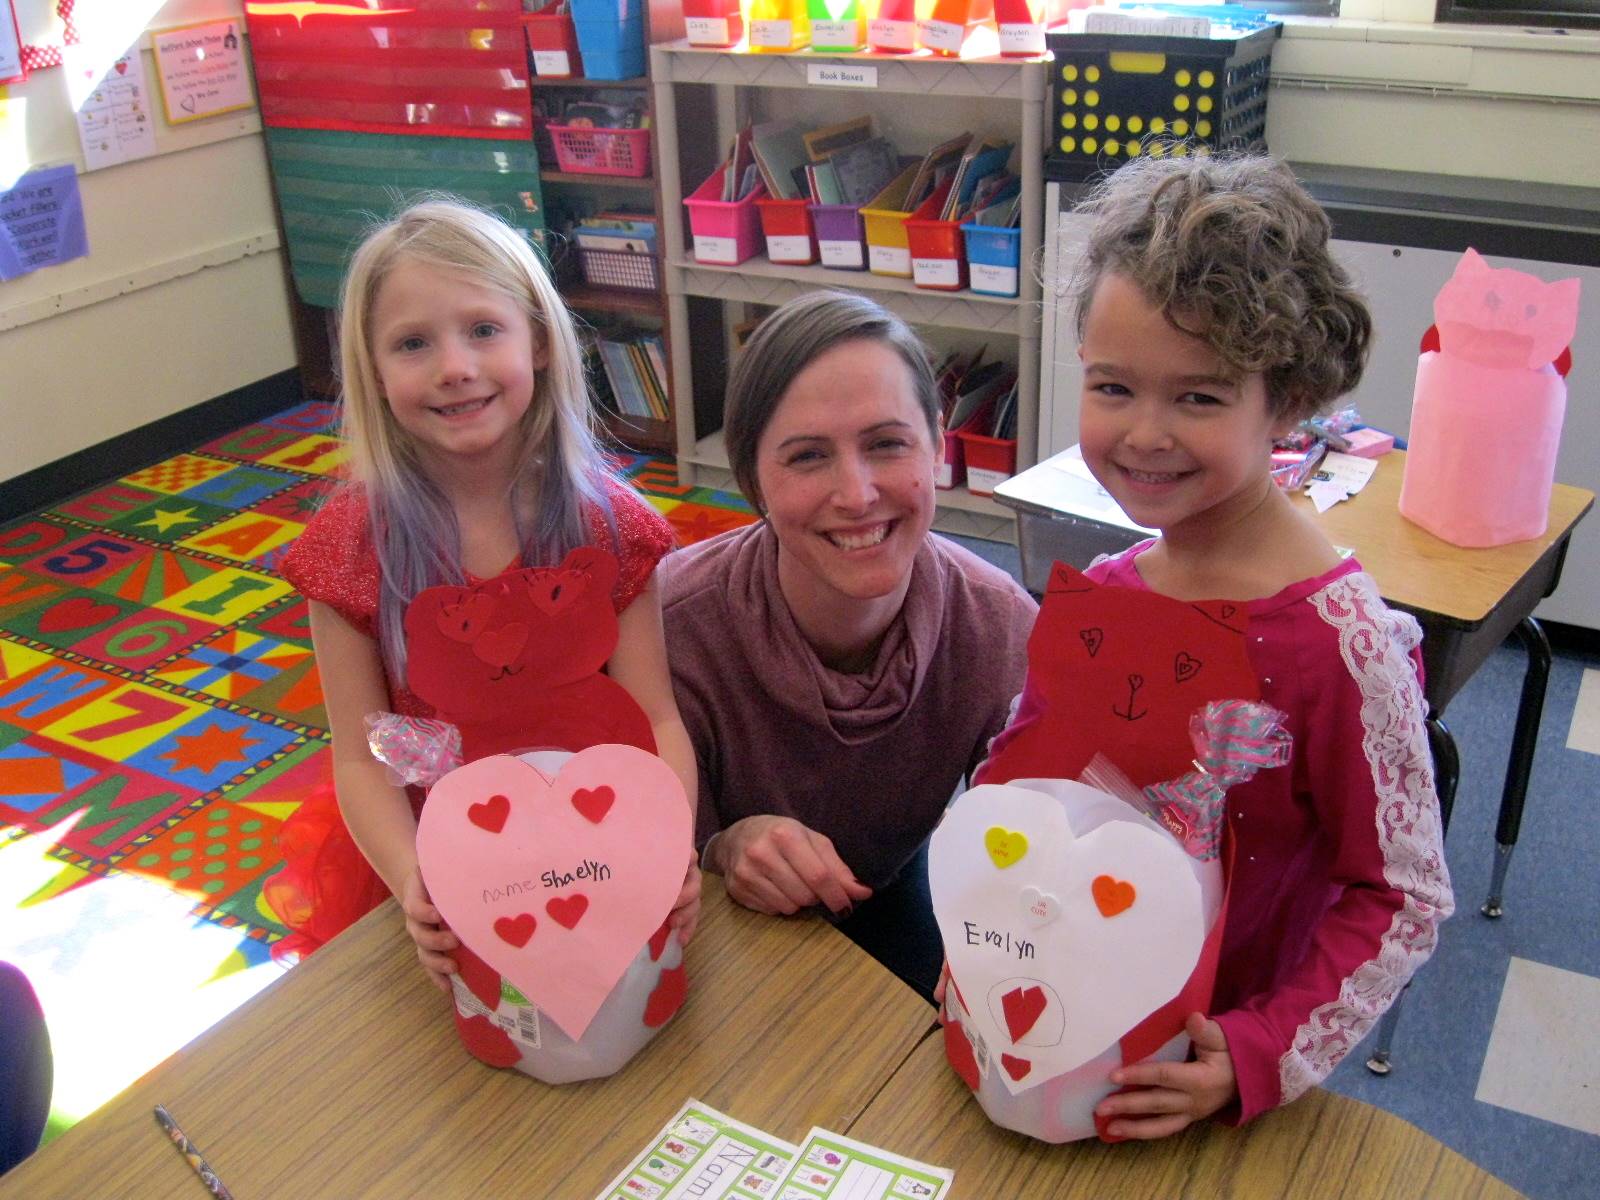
419	751
1082	924
499	1024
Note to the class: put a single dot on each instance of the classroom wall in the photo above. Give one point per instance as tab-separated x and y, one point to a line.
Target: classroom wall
183	296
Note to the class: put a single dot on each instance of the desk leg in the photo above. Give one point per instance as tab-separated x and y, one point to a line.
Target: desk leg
1446	775
1524	741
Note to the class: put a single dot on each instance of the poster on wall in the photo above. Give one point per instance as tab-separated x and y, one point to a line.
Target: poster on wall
10	44
115	123
202	70
41	222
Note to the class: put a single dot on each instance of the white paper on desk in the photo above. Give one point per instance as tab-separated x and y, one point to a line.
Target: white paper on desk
1346	470
1095	504
842	1168
704	1154
1325	494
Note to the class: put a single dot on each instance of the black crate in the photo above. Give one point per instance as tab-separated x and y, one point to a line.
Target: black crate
1114	96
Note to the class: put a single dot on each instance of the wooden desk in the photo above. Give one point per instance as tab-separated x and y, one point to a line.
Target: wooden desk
1321	1147
345	1077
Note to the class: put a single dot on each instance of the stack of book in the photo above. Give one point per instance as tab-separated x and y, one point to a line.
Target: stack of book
618	250
631	374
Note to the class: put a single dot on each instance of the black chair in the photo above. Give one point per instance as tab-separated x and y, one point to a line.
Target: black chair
27	1070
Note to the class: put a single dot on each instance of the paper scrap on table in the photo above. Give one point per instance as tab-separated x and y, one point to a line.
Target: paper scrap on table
831	1166
1325	494
1346	470
704	1154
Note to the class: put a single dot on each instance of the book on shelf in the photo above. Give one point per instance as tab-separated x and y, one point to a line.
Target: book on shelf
633	371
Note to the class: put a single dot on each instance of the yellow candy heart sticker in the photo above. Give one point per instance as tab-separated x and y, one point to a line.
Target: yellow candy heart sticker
1005	846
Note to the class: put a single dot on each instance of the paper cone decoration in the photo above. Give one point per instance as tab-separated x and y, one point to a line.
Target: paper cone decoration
837	25
894	29
1487	412
952	22
779	26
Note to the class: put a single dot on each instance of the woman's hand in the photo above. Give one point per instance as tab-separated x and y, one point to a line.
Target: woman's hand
776	865
1169	1096
685	915
426	927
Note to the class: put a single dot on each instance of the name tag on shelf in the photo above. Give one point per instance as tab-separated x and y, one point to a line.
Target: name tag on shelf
707	31
997	281
1021	39
716	250
889	260
936	272
777	35
836	35
841	254
944	36
892	35
551	62
790	248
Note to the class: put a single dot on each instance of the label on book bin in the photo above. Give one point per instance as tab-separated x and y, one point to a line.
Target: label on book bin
841	254
551	62
983	483
779	35
997	281
889	260
936	272
707	31
790	248
716	249
892	35
835	35
1021	39
943	36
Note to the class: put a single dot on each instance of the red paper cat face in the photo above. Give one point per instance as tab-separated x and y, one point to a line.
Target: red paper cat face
1121	671
471	651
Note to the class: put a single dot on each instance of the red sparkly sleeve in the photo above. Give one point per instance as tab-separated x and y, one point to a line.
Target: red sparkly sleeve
333	560
643	538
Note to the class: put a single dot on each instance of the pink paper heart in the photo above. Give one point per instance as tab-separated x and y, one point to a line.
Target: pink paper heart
606	887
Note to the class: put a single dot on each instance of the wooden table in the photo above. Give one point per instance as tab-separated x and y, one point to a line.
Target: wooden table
345	1077
1321	1147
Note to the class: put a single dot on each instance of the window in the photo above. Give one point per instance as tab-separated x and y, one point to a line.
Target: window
1576	14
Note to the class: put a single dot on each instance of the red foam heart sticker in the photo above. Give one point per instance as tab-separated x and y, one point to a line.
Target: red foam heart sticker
564	910
516	931
1112	896
594	803
667	998
658	941
958	1049
1022	1007
487	1042
75	612
1015	1067
491	814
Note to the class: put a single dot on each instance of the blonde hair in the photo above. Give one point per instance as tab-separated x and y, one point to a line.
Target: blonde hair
1235	252
559	469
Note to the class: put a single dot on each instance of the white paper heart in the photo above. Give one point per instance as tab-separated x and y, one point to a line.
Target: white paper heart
1124	938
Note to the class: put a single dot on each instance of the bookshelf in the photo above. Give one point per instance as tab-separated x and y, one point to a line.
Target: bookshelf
597	304
1008	96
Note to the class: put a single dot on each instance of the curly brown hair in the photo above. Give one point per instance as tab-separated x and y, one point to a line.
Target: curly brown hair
1235	252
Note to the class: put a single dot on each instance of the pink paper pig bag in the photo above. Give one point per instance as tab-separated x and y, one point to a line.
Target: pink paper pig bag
1486	416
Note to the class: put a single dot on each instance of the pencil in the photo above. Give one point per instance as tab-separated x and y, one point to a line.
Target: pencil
187	1148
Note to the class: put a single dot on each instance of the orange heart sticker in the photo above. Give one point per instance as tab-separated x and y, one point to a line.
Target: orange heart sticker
1112	896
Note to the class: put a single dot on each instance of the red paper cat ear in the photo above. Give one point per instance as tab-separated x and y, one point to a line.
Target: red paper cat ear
1430	340
1227	613
1563	362
1064	578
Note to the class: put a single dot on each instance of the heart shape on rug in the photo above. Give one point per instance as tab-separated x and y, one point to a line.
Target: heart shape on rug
1053	994
606	886
75	612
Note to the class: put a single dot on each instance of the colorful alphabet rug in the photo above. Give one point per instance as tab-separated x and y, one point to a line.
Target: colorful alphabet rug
160	716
